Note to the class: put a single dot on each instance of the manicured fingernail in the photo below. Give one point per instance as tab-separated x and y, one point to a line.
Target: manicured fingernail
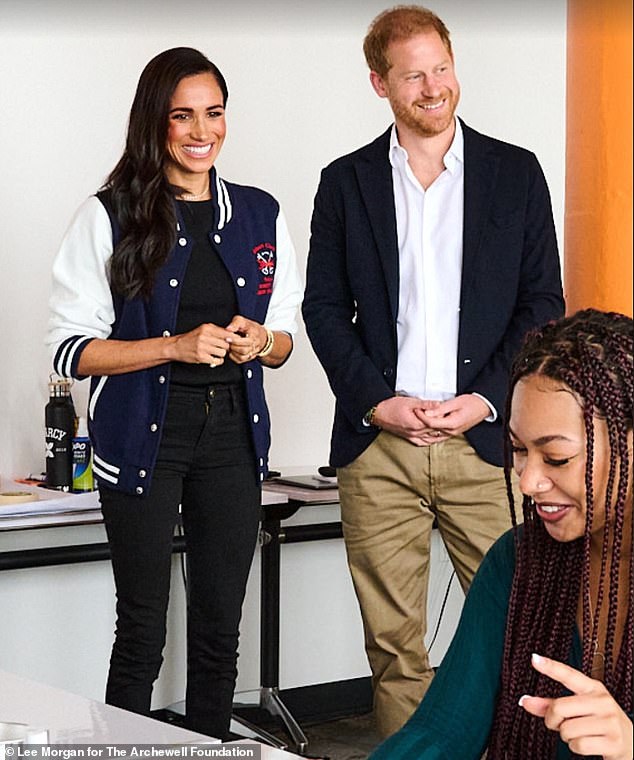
522	698
537	659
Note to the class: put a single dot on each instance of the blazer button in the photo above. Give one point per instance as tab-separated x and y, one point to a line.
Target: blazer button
173	283
139	490
182	242
217	238
388	372
241	282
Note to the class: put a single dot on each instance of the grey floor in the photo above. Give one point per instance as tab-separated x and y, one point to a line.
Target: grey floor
344	739
351	738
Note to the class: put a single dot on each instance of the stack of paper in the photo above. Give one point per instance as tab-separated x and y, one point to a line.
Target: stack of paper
46	501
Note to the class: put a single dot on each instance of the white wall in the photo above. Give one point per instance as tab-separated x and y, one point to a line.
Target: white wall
299	97
58	622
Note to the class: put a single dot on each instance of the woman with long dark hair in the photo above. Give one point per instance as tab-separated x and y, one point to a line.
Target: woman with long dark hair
171	290
541	665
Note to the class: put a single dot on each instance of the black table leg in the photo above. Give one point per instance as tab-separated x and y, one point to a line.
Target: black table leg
272	536
270	699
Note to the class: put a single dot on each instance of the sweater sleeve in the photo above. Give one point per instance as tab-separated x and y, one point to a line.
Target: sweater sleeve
455	717
81	306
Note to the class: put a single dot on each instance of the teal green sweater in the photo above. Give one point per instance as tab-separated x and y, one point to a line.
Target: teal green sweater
454	719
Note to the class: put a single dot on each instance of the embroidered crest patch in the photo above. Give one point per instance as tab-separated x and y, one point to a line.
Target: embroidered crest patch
265	256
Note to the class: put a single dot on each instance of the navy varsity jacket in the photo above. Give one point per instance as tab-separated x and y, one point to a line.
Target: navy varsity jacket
126	411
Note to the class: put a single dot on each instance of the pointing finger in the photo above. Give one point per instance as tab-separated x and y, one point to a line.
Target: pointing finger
572	679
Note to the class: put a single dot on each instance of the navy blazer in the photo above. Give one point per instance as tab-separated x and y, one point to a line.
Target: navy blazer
511	281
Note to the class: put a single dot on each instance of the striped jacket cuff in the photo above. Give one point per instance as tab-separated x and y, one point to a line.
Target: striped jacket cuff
68	354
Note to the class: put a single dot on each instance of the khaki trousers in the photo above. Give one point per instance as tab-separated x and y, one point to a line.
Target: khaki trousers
389	497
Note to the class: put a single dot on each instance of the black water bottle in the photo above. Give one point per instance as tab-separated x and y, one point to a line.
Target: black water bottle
59	420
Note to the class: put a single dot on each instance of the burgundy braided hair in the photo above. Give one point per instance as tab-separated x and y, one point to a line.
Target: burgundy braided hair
591	352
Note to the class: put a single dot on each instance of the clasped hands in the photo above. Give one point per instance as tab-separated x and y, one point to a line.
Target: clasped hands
241	341
425	422
590	721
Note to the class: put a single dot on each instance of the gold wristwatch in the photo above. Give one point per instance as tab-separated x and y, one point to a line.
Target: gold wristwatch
368	418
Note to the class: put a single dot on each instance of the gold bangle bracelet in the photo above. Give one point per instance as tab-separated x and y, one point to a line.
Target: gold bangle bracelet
268	346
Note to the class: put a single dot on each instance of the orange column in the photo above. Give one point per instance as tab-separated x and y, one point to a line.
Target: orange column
598	215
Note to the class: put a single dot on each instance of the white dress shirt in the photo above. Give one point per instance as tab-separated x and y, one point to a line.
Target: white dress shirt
429	226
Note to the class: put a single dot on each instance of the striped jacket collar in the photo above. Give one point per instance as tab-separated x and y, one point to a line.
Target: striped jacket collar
222	199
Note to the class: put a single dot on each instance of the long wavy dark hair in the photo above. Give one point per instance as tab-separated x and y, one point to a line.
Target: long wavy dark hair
141	195
591	353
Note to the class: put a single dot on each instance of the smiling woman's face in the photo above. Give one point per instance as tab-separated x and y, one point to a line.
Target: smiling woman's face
549	455
196	130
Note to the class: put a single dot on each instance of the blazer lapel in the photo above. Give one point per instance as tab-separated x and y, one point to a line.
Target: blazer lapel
480	177
374	175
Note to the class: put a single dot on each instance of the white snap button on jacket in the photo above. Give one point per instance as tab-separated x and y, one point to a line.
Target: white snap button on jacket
173	283
241	282
182	241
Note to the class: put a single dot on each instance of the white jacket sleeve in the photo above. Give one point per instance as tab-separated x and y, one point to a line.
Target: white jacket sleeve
81	306
287	287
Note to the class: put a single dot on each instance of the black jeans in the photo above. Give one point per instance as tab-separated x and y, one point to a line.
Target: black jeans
206	464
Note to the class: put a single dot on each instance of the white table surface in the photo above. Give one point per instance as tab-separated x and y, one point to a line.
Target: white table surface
75	509
71	719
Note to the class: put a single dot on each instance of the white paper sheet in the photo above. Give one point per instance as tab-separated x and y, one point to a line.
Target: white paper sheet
46	501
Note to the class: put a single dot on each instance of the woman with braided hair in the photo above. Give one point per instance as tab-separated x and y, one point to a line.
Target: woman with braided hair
541	666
